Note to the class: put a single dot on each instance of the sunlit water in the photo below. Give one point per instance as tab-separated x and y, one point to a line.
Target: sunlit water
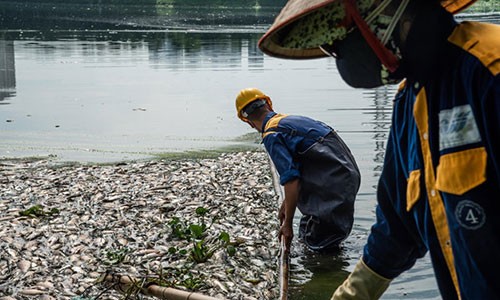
96	93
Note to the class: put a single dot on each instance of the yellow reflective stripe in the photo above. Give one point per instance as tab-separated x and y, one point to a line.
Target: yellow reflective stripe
401	85
438	213
413	189
481	40
273	122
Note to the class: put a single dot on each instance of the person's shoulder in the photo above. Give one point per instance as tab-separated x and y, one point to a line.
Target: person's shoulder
481	40
272	123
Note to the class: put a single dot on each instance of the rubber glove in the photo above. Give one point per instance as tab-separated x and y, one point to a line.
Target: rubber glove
363	283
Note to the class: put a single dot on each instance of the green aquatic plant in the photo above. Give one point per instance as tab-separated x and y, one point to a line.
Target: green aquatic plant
226	243
190	231
37	211
201	251
179	228
116	256
192	282
201	248
178	277
231	250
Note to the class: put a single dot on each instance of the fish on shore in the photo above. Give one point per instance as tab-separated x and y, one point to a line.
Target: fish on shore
62	227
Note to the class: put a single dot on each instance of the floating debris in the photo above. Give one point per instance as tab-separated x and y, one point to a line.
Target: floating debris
207	226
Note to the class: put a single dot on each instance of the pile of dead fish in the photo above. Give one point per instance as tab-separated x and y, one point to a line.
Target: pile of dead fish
63	227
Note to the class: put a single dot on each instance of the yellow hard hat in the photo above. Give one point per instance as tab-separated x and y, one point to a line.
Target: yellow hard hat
247	96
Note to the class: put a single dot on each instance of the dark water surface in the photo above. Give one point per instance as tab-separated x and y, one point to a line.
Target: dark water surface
107	83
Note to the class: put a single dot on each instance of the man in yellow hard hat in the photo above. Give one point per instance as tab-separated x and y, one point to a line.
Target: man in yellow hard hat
440	186
317	170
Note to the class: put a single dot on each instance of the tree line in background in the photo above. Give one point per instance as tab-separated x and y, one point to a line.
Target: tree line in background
479	6
225	3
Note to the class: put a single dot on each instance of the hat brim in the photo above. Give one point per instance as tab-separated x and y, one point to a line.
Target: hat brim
294	10
291	12
456	6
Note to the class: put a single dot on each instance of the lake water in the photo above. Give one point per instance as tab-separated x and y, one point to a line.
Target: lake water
106	84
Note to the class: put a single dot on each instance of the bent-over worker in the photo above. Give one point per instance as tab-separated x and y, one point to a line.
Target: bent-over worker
316	168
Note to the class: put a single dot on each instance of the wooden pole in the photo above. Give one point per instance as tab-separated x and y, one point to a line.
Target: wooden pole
284	257
127	283
284	272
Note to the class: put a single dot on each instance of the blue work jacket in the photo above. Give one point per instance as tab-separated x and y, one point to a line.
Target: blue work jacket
439	191
285	136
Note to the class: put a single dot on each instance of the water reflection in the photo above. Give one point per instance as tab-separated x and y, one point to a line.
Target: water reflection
144	14
119	95
417	283
380	112
163	50
7	71
206	51
316	276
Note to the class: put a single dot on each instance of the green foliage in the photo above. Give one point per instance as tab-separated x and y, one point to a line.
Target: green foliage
201	252
201	211
231	250
192	282
38	211
224	236
200	248
197	231
190	231
179	228
176	253
115	256
178	277
224	3
226	240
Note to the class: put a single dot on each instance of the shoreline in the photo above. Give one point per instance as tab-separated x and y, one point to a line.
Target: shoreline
121	218
64	156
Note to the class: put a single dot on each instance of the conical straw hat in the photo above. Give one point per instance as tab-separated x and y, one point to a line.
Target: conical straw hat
316	22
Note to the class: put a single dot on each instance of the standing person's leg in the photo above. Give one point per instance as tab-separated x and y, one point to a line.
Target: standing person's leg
329	184
320	235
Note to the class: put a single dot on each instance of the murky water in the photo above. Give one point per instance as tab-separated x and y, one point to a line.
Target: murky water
106	84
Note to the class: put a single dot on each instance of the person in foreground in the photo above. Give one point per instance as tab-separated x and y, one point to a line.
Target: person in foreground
440	186
316	168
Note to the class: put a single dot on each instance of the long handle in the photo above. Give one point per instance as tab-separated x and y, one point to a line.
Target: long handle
284	257
284	272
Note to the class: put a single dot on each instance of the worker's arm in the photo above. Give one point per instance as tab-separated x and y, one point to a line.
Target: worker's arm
394	244
362	283
287	211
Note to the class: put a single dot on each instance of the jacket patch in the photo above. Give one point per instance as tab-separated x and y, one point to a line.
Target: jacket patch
457	127
470	215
